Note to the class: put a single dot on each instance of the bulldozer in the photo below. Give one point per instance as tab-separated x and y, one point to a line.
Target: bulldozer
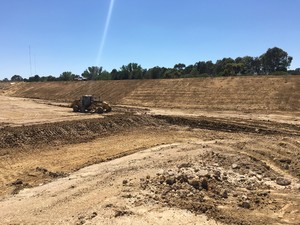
89	104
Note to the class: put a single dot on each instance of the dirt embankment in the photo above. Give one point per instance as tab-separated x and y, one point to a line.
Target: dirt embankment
70	132
230	93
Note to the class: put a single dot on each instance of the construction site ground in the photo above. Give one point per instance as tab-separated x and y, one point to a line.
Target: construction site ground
150	162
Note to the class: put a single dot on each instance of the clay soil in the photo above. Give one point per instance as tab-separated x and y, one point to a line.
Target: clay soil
148	164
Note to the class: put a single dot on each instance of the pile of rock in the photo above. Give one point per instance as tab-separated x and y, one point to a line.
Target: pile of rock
202	187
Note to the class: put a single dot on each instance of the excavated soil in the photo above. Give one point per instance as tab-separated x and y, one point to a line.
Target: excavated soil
173	164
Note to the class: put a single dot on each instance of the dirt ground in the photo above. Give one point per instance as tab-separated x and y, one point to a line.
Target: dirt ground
147	165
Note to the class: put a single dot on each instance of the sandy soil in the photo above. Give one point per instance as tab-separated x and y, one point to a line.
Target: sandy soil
159	166
129	190
21	111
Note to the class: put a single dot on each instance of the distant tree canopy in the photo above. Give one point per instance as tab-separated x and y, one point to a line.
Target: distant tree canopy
16	78
66	76
273	61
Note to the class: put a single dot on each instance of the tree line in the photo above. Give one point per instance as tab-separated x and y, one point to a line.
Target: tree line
274	61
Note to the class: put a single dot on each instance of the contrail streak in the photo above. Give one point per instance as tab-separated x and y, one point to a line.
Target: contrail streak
103	40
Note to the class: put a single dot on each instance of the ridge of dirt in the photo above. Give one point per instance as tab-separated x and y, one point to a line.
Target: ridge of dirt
68	132
78	131
231	126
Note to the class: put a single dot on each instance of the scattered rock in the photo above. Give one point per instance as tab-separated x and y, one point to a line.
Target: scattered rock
119	213
288	161
202	173
245	205
170	181
17	182
56	174
224	194
41	169
185	165
195	183
283	181
235	166
94	214
204	184
217	175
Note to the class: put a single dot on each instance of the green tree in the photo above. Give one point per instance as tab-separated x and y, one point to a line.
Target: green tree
67	76
179	66
171	74
201	67
35	78
131	71
221	69
105	75
16	78
92	73
155	73
194	72
296	71
114	74
188	69
210	67
275	59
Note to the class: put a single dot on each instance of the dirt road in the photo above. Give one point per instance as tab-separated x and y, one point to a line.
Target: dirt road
22	111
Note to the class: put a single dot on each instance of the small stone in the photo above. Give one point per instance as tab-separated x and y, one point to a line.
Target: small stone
259	177
224	194
170	181
283	181
202	173
245	205
235	166
288	161
297	187
160	172
170	173
217	175
17	182
94	214
195	183
184	165
204	184
125	182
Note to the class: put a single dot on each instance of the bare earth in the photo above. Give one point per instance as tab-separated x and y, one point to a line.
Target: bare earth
142	165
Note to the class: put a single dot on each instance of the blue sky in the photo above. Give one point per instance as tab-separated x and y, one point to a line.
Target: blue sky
66	35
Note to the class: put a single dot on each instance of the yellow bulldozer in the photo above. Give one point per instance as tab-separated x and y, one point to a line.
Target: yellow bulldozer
89	104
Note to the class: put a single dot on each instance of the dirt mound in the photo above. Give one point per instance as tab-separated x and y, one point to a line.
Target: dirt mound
232	126
69	132
226	187
232	93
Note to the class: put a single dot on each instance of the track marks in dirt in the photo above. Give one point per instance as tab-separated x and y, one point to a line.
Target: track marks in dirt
72	131
281	153
227	125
